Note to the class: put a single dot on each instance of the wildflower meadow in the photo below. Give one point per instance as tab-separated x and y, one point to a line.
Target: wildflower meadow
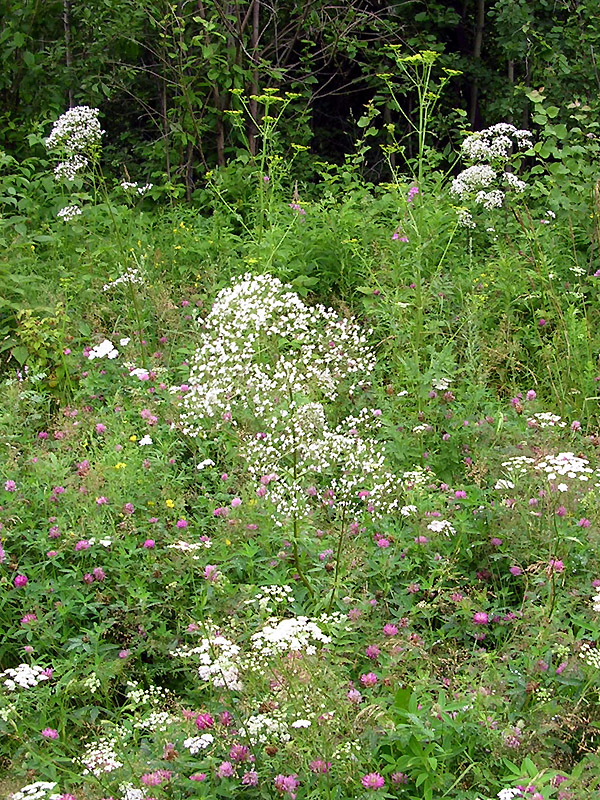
300	485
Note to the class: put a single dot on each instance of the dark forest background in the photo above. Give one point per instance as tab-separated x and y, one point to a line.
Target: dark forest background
163	73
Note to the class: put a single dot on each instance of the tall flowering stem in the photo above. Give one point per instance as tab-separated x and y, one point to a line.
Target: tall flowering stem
268	360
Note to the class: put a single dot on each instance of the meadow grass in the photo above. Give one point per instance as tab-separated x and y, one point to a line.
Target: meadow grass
300	495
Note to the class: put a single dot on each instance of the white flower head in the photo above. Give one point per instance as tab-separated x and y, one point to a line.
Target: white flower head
68	213
77	131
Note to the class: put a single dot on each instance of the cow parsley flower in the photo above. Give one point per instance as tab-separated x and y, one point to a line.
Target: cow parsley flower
36	791
77	131
68	213
67	170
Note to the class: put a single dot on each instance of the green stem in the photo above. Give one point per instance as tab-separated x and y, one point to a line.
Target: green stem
338	559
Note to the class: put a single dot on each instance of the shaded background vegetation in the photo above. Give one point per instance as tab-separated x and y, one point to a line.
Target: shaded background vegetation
162	72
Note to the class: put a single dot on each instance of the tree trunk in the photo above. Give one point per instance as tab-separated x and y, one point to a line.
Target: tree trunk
477	45
68	51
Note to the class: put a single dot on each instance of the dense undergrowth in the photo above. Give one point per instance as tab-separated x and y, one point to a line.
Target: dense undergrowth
255	546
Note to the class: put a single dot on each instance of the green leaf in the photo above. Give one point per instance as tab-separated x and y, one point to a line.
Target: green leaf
552	111
20	354
402	699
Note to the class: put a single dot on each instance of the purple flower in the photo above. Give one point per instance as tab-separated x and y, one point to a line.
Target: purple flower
319	766
373	781
50	733
286	784
10	486
389	629
239	752
225	770
156	778
250	778
20	581
204	721
369	679
354	696
372	651
480	618
211	573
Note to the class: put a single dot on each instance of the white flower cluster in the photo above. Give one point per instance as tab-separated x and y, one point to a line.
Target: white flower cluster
290	635
131	276
130	792
596	602
518	464
465	218
68	213
415	478
299	445
441	384
190	547
565	465
490	200
102	350
269	596
483	183
441	526
153	695
136	188
260	344
561	467
591	655
6	711
473	179
24	676
496	143
105	542
218	658
92	682
509	794
67	170
346	752
260	728
544	419
155	721
196	743
76	131
36	791
100	757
